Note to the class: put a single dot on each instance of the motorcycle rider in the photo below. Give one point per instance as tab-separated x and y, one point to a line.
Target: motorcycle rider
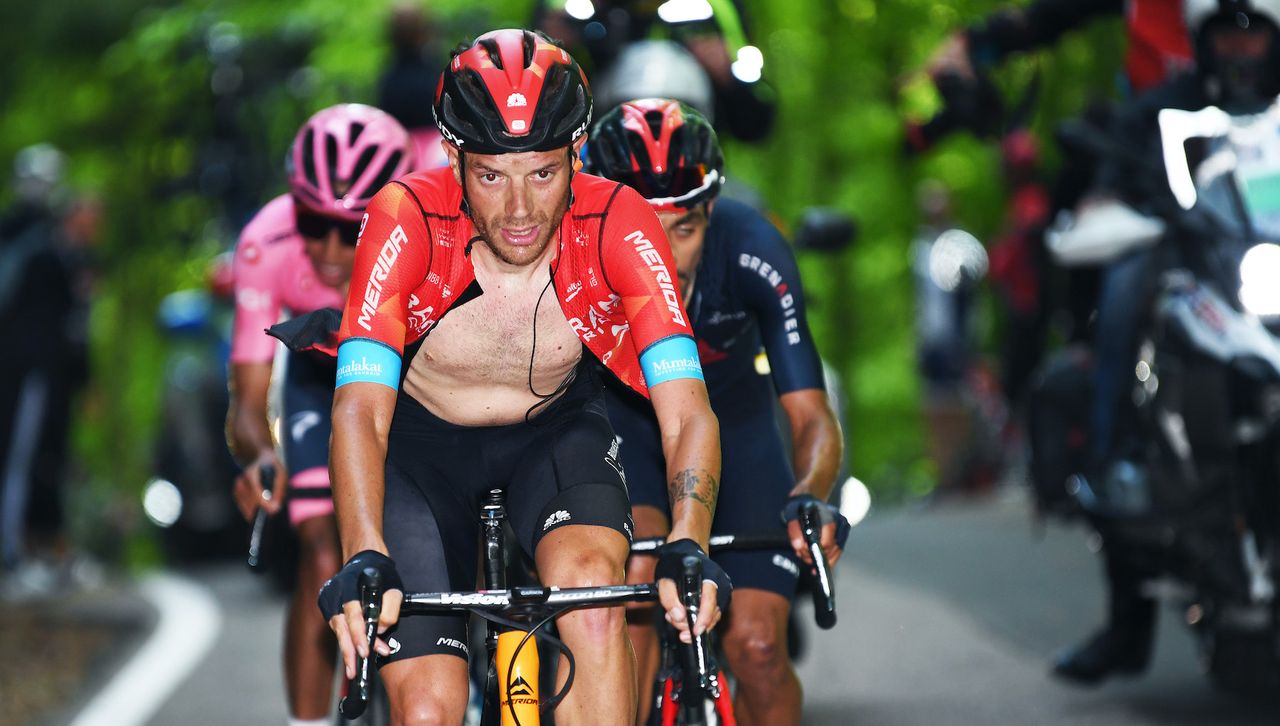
297	254
1237	54
742	288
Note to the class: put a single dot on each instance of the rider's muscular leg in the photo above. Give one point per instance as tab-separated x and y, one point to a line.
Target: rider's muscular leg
604	688
427	691
768	692
309	646
649	522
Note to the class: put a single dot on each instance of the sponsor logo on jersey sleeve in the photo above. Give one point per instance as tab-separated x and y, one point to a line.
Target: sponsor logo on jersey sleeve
651	257
785	299
364	361
670	359
387	257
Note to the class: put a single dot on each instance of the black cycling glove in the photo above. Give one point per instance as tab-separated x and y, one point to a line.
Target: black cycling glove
827	513
344	587
671	565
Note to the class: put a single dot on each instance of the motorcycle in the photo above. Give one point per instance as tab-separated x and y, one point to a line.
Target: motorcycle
1198	500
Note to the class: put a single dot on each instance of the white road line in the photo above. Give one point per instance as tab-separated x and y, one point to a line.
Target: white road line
189	623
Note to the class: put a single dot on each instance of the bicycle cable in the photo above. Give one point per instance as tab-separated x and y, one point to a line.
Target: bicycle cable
536	632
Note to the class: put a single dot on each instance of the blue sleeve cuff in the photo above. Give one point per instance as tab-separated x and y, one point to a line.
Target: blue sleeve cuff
366	361
667	360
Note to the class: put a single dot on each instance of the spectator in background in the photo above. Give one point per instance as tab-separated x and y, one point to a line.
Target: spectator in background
601	31
408	85
45	290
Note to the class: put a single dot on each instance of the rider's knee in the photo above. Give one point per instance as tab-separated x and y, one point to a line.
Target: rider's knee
595	625
589	568
756	649
422	713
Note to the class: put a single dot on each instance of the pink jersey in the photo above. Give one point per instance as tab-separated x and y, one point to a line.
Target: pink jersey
272	273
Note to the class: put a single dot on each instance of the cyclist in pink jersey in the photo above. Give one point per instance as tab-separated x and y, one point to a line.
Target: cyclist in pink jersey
296	254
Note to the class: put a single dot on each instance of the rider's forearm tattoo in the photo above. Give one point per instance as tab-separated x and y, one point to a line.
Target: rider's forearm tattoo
697	485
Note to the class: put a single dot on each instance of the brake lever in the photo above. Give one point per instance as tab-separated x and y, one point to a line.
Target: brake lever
695	652
267	473
824	596
360	688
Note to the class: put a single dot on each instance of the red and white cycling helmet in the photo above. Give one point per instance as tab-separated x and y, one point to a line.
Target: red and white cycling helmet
512	91
662	148
343	155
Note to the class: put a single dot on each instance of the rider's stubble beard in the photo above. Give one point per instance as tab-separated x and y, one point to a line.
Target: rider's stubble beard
518	256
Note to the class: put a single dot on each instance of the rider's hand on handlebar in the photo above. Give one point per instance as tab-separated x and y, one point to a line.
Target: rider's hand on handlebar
340	604
835	528
716	588
248	491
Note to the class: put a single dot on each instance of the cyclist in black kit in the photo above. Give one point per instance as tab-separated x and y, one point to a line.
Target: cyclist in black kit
742	291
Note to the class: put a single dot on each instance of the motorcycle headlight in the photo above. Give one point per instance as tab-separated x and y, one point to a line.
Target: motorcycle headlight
1260	280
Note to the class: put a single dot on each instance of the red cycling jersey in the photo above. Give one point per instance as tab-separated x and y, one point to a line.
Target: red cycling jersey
613	275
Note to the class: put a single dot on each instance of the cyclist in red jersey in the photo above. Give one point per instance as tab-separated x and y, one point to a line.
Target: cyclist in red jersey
296	253
461	369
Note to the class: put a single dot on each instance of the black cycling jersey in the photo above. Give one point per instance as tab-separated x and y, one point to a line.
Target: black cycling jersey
747	293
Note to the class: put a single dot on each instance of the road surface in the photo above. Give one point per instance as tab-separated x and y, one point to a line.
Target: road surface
948	615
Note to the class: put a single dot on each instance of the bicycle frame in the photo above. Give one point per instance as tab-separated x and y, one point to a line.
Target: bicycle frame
511	695
677	703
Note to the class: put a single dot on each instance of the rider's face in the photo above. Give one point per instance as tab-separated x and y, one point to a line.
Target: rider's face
686	231
331	257
517	200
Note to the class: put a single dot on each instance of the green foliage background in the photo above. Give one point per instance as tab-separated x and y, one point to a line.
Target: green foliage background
124	88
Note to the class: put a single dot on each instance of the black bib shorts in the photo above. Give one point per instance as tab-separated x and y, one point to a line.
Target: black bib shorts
559	468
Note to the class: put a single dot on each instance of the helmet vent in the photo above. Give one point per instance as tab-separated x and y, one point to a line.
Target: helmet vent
530	45
388	171
309	158
362	164
555	82
491	48
454	121
331	157
356	130
654	119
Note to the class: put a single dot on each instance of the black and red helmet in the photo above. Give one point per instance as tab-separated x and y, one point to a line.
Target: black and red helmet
511	91
663	149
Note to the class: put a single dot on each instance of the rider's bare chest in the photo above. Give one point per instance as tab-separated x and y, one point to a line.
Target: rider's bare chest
493	338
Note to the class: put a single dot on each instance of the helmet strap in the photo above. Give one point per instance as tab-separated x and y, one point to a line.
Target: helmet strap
574	163
464	207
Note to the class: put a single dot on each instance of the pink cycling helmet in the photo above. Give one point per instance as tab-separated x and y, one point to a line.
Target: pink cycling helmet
343	155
